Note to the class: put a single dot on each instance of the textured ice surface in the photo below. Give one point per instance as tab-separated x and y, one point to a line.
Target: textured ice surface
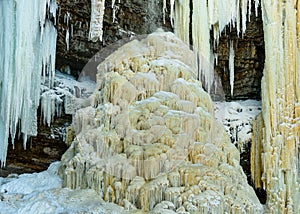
148	139
66	95
275	151
41	193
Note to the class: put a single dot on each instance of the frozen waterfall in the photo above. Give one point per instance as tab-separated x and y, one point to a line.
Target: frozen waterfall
27	50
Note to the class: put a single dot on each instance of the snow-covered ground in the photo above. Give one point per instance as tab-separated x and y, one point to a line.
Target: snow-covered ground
43	193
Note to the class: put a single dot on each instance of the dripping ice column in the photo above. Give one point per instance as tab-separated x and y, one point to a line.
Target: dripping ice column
231	67
96	31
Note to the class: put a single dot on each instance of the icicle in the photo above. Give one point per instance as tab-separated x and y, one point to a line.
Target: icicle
244	15
256	7
164	10
113	10
172	3
96	31
28	43
52	9
201	41
182	20
72	30
231	67
67	39
249	9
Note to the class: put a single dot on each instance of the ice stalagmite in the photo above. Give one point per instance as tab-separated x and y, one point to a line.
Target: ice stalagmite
148	139
27	48
278	134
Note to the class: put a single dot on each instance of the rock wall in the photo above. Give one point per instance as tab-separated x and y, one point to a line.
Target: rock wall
248	61
131	17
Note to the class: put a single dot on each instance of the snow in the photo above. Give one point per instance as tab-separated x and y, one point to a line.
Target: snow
43	193
237	117
27	48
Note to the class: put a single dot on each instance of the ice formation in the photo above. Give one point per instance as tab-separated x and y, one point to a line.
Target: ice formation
210	15
275	154
42	193
148	139
231	67
238	118
27	48
96	24
65	96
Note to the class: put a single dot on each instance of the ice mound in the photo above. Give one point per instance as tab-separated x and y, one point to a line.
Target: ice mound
148	139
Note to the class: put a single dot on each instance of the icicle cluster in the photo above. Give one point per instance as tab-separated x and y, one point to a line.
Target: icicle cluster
64	97
209	15
275	151
27	48
148	140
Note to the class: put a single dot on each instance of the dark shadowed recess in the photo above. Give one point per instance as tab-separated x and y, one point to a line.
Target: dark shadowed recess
42	150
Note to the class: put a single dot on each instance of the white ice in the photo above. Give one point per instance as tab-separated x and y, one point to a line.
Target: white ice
231	67
27	49
41	193
237	118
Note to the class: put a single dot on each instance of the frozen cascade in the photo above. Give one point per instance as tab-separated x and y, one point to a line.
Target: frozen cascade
66	95
96	31
27	42
147	138
231	67
275	150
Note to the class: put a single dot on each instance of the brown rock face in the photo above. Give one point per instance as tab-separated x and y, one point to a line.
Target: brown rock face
248	61
131	17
